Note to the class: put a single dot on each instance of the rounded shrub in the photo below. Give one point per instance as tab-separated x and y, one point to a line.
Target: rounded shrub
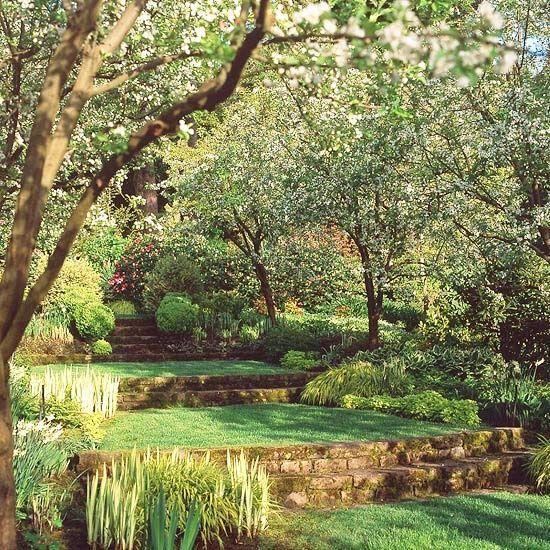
101	347
176	313
171	274
122	307
76	276
93	320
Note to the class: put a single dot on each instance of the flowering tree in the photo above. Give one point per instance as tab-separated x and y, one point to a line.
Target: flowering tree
491	151
90	83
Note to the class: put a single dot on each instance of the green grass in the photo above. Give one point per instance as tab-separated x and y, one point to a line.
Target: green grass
268	424
480	522
176	368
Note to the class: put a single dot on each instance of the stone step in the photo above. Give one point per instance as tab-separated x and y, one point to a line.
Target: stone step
398	482
138	330
138	339
135	321
213	398
139	348
337	458
213	382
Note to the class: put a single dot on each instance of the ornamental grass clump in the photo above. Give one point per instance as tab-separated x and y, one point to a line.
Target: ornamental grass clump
358	378
155	495
96	393
539	466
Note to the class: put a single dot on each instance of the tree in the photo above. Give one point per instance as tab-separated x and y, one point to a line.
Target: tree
490	150
91	84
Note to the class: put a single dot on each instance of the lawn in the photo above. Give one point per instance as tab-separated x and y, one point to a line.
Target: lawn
489	521
264	424
175	368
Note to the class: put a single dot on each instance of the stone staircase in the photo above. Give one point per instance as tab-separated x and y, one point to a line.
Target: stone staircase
137	339
345	474
207	391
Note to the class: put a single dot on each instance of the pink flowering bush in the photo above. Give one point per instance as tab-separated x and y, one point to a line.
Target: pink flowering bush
138	259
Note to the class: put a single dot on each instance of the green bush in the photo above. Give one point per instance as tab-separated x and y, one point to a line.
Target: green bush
358	378
176	313
427	405
101	347
81	430
411	315
122	308
539	466
299	360
171	274
103	249
75	275
93	320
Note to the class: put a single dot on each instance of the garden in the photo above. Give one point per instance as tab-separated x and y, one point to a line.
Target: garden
274	275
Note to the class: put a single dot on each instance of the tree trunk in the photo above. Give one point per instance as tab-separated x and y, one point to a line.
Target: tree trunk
143	179
265	288
374	298
7	483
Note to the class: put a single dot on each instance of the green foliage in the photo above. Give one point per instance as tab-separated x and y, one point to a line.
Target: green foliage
130	504
139	259
409	314
38	456
511	396
122	308
102	249
76	276
318	332
94	392
93	320
101	347
176	313
427	405
50	325
171	274
81	430
539	466
358	378
300	360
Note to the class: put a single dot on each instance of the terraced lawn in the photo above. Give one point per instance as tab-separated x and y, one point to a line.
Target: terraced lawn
175	368
264	424
480	522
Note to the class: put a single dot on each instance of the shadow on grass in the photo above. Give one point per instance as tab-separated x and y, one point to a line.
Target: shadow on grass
263	424
175	368
466	522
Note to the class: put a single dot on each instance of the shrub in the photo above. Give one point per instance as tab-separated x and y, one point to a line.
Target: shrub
249	334
122	307
101	347
176	313
299	360
539	466
358	378
410	314
171	274
75	275
427	405
103	250
138	259
93	320
81	430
